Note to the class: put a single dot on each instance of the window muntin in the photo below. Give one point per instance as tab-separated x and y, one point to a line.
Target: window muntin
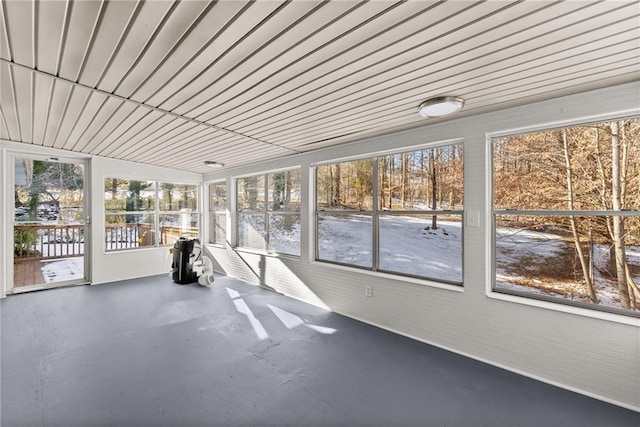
141	213
400	213
268	212
218	213
567	226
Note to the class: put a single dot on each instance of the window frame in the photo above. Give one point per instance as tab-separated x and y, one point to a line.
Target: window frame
169	212
214	212
156	212
530	298
266	213
376	212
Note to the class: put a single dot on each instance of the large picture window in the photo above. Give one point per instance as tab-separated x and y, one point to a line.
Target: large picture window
567	225
268	213
148	213
399	213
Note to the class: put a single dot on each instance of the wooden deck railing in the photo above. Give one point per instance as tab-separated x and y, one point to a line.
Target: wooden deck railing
40	241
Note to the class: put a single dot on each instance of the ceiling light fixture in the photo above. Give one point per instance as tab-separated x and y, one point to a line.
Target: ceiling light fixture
441	106
214	164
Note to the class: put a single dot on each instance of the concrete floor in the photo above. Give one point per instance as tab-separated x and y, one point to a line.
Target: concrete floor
148	352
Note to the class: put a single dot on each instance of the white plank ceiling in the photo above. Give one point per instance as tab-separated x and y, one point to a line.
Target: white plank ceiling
176	83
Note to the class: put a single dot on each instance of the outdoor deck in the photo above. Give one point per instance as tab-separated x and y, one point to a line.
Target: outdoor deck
27	273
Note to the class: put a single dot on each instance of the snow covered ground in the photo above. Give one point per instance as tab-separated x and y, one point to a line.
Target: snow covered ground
63	269
407	244
532	252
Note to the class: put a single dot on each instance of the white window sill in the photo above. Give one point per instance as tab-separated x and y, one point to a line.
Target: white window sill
389	276
579	311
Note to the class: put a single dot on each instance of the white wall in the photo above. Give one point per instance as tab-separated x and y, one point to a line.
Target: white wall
105	266
120	265
595	353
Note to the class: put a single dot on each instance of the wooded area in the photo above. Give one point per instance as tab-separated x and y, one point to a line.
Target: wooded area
590	168
430	179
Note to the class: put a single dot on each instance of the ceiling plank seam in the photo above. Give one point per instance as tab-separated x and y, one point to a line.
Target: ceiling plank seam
49	106
147	45
226	52
118	46
197	53
15	102
92	40
288	65
160	110
63	115
5	30
34	35
65	33
93	119
173	48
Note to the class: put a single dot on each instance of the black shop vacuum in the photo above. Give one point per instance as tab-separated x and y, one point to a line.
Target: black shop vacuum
190	264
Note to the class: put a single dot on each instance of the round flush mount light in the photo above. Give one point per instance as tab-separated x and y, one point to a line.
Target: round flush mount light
214	164
441	106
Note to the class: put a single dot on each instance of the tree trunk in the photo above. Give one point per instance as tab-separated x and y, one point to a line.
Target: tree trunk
434	187
337	195
572	221
618	221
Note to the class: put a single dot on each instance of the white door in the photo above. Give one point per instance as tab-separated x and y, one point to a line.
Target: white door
50	222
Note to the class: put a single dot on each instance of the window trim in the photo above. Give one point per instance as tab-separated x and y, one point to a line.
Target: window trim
265	212
376	212
612	314
211	211
156	212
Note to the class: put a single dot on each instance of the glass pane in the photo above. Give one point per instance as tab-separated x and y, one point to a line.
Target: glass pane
251	193
345	238
129	231
531	171
129	195
345	186
48	230
284	191
173	226
542	256
178	197
217	196
251	231
422	245
422	180
218	228
284	233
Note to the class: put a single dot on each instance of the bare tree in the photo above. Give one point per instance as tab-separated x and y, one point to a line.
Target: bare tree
572	221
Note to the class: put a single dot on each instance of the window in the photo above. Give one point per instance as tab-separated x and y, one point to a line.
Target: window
399	213
130	213
148	213
567	226
178	208
218	213
269	212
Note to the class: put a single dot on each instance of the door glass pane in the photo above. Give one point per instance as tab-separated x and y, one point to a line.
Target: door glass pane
49	222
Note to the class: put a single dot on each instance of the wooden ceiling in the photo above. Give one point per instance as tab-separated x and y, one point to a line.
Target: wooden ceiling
176	83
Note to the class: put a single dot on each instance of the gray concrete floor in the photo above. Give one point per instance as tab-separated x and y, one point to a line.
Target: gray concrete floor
149	352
